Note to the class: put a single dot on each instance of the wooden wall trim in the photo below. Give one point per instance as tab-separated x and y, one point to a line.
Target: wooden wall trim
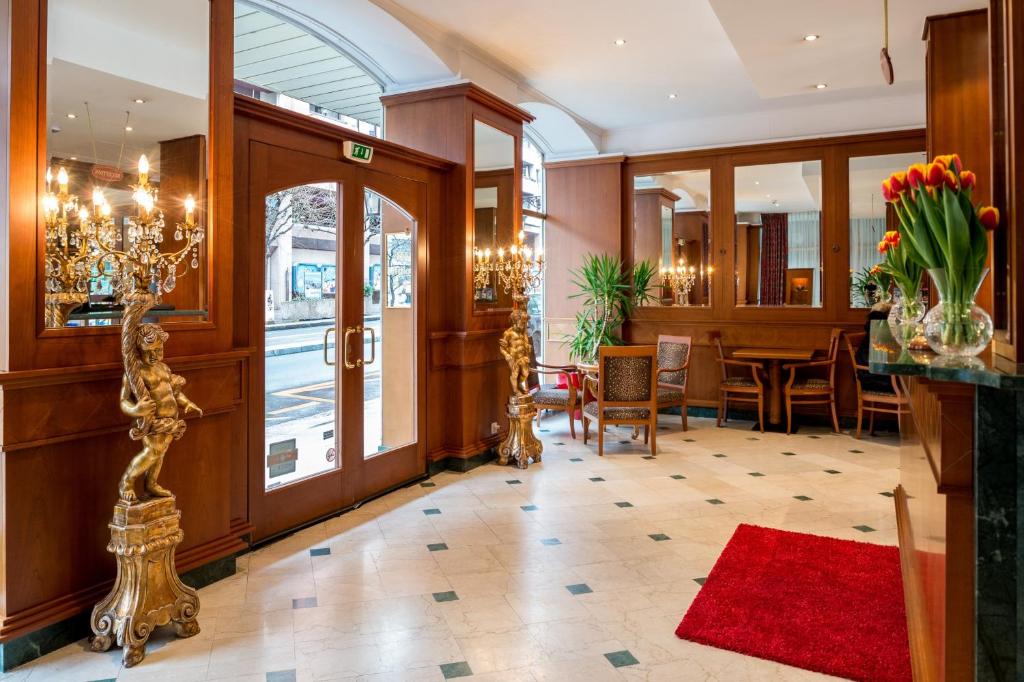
468	90
921	648
587	161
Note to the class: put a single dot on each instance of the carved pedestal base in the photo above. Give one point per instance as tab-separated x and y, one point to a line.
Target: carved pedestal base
520	444
147	592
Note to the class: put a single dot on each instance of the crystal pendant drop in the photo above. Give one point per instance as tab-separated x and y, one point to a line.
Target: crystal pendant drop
177	234
169	282
195	262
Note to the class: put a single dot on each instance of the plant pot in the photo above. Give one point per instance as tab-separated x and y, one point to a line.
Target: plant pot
905	317
956	326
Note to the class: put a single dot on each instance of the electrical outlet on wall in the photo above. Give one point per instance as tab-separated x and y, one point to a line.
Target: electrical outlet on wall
495	428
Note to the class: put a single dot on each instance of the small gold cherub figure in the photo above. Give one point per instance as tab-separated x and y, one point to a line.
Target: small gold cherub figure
515	347
156	412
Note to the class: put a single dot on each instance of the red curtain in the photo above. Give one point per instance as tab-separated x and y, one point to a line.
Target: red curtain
774	257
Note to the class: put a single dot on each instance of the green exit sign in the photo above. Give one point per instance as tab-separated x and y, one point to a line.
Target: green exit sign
358	152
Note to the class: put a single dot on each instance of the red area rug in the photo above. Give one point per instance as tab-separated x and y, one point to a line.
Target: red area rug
827	605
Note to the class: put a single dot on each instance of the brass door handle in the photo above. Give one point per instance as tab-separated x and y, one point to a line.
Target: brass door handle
373	345
327	360
349	331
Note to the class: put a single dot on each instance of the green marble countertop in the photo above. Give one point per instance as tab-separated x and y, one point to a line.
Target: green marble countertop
886	357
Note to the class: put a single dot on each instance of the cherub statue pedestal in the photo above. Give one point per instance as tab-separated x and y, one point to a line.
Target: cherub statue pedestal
147	591
520	444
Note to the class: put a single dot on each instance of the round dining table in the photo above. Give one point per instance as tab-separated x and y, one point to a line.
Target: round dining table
774	357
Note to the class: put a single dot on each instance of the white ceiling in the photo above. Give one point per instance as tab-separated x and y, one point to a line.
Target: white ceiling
692	187
779	187
740	68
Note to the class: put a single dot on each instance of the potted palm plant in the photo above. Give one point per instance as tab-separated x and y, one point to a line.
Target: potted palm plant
607	299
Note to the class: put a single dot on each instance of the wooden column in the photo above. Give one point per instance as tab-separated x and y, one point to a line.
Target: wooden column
466	377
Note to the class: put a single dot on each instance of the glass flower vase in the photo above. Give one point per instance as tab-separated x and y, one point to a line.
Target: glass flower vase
905	317
956	326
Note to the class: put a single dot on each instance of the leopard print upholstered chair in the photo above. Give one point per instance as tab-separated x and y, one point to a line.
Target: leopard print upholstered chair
625	393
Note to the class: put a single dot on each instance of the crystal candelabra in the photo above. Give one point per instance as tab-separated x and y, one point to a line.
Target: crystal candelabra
71	238
682	278
517	269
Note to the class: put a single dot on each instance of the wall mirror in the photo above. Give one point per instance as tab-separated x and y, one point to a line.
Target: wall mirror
125	79
672	238
778	234
870	218
494	227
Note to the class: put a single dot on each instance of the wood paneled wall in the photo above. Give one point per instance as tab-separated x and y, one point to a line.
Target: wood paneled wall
64	440
584	209
466	375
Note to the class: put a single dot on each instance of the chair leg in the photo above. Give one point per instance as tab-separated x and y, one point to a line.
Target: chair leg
835	418
572	422
718	419
760	410
647	434
586	429
654	438
725	408
871	423
789	415
686	425
636	433
860	415
600	438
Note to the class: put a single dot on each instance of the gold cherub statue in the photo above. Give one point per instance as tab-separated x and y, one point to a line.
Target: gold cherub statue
515	347
153	395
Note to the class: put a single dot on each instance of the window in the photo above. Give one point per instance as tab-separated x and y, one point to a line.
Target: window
533	229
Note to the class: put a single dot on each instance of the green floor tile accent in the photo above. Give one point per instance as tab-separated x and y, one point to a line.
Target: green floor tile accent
281	676
621	659
689	440
514	481
428	484
659	537
753	438
623	442
550	541
832	471
320	551
864	529
714	500
789	454
445	596
304	603
718	454
437	547
529	507
648	456
802	498
623	504
558	443
581	588
857	452
574	459
755	474
431	512
596	479
814	437
887	493
453	670
700	581
678	477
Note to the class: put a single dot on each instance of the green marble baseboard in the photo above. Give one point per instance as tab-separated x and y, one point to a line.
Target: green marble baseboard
460	464
31	646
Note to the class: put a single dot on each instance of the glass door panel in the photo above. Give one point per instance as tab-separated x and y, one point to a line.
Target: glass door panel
389	326
300	333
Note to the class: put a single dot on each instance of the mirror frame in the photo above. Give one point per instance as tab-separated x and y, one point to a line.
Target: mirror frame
515	131
217	245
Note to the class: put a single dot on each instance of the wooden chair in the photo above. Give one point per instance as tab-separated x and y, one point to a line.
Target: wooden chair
551	397
673	370
625	393
739	389
872	401
813	390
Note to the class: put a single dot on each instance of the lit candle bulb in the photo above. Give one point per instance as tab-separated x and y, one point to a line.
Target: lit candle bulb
540	255
83	215
143	170
501	253
62	179
97	197
50	205
527	253
487	254
522	235
49	177
514	250
105	210
190	210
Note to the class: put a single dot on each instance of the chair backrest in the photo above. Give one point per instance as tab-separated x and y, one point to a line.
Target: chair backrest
833	353
673	352
627	376
716	339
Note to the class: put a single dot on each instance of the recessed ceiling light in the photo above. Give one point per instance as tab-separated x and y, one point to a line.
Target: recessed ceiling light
672	95
72	115
619	42
74	158
139	100
757	182
811	37
821	86
128	128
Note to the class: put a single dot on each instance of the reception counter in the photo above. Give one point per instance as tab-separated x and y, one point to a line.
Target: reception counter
957	510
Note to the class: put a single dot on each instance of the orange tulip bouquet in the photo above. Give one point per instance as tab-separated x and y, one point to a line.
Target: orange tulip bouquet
942	231
907	313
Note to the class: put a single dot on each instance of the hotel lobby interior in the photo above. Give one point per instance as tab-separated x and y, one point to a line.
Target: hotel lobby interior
409	340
